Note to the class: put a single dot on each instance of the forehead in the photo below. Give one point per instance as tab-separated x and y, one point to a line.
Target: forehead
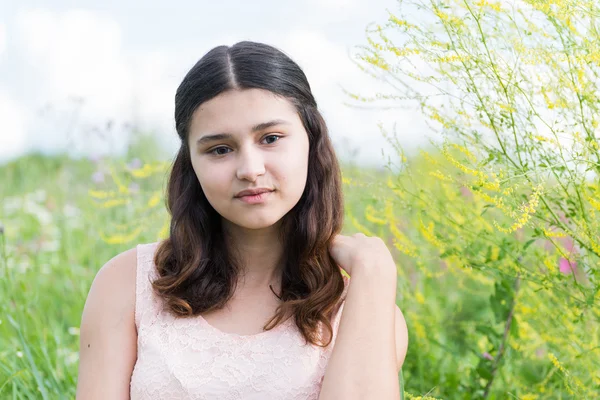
240	110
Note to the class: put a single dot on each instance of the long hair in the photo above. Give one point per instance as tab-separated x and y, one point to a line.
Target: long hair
197	270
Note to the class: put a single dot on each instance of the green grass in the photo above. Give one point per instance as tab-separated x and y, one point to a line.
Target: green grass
53	245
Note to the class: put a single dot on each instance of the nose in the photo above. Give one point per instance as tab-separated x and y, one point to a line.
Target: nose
251	165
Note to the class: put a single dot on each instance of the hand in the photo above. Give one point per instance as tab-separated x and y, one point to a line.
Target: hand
360	253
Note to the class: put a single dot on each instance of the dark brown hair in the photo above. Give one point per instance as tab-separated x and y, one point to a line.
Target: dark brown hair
197	270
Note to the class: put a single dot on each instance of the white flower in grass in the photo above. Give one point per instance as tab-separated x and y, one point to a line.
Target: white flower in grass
23	266
38	196
136	163
71	211
98	177
20	354
45	269
72	358
12	204
41	213
50	245
134	187
73	330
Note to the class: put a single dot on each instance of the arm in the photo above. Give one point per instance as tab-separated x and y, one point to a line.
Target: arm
371	342
108	336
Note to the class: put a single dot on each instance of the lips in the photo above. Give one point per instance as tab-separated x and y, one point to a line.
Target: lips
253	192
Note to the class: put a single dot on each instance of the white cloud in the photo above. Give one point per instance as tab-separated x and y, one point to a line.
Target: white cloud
2	38
157	76
337	10
81	53
12	130
335	3
78	53
328	67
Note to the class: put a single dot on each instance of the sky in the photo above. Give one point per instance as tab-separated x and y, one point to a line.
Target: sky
76	75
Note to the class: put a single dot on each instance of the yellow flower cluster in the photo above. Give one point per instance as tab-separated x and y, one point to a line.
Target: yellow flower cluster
550	263
497	6
114	203
360	226
429	235
148	169
526	211
553	234
411	397
541	138
465	151
121	238
449	19
593	202
448	59
371	216
101	194
154	200
400	22
558	103
529	396
489	182
401	242
570	381
440	176
376	61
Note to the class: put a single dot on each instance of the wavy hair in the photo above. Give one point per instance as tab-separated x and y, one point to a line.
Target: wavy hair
197	271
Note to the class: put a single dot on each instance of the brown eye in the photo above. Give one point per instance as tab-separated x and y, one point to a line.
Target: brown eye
275	136
215	151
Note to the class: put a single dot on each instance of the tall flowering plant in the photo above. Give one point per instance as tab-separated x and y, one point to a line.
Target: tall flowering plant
504	213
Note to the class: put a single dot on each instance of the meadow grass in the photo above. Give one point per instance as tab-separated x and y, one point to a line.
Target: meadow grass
62	222
57	233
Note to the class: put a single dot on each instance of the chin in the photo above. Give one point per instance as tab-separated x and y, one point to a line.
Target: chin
255	223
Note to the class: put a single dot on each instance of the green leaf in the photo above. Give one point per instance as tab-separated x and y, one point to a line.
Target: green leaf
527	244
484	369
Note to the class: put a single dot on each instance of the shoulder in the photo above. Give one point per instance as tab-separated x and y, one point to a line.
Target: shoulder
108	334
113	288
117	277
121	270
118	273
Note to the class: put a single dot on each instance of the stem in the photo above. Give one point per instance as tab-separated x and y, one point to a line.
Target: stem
504	340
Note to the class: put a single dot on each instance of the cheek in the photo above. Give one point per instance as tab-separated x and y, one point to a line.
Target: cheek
292	169
213	183
296	154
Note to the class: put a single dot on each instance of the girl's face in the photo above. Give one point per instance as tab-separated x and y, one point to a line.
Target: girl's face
249	139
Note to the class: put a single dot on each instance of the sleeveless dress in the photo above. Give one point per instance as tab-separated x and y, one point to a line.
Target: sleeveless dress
187	358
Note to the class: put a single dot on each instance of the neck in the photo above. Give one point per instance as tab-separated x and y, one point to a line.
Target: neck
260	252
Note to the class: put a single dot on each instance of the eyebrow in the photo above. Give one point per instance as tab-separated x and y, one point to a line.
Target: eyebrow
256	128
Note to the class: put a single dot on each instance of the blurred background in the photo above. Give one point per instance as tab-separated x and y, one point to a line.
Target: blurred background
468	136
69	69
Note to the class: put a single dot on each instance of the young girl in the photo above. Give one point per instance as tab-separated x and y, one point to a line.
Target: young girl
244	299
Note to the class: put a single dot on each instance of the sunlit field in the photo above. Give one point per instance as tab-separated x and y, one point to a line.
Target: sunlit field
63	219
494	227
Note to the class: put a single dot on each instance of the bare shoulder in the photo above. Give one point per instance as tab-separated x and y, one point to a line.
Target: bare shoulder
114	284
108	336
119	270
112	293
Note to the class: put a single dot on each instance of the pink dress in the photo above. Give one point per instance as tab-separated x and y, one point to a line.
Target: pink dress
187	358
